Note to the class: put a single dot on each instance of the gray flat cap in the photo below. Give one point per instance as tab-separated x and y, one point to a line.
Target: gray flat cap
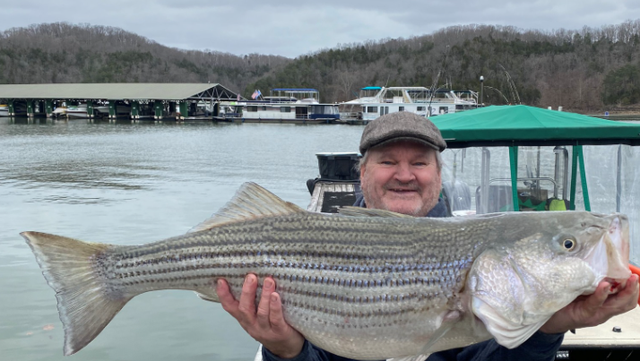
398	126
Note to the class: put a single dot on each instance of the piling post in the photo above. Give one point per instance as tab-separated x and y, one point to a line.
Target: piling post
48	108
112	110
184	109
12	110
90	109
30	108
158	108
135	110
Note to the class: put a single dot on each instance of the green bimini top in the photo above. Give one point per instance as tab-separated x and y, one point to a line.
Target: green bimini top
509	125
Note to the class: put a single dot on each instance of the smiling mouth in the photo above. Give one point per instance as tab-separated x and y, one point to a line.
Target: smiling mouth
403	191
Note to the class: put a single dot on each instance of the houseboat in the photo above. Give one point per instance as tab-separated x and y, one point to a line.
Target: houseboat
374	101
284	105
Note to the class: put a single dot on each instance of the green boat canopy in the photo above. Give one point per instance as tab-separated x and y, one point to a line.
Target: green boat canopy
513	125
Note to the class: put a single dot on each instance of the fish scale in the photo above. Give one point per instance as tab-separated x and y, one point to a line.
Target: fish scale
368	285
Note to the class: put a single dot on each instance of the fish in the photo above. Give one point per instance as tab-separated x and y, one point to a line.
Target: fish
365	284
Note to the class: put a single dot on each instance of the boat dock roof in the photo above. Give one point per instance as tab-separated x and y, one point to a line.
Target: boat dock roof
129	91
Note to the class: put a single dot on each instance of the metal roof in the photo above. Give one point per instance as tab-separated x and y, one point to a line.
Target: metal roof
157	91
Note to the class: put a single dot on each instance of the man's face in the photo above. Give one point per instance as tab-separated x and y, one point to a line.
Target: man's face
402	177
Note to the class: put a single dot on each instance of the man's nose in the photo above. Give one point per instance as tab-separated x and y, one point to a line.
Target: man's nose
404	173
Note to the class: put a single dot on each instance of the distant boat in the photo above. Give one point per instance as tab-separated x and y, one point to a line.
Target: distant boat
287	105
374	101
80	110
4	110
76	111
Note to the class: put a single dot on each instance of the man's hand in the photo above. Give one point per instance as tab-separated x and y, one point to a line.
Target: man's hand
266	324
594	309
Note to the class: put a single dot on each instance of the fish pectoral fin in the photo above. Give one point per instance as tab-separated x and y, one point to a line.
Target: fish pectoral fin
208	297
448	322
251	201
366	212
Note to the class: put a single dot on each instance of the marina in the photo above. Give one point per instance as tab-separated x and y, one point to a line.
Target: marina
132	101
214	102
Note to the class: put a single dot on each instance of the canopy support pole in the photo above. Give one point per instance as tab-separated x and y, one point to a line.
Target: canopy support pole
513	160
578	160
583	180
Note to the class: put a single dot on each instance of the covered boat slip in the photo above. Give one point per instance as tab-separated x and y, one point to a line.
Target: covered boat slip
157	101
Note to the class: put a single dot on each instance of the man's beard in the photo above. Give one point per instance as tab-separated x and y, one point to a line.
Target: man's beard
420	210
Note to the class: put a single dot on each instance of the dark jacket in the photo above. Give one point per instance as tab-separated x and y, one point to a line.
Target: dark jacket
538	347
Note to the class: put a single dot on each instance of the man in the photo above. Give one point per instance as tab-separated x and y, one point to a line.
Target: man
400	171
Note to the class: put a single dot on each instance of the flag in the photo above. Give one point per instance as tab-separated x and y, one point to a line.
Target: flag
238	97
256	94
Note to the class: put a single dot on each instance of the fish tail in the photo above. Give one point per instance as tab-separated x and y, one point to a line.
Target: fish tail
85	304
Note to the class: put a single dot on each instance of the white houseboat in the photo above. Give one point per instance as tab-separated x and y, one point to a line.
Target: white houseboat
284	105
374	101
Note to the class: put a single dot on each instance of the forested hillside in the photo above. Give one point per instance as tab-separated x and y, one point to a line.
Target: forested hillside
65	53
585	70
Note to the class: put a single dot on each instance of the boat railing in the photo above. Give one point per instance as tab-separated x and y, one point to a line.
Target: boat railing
499	197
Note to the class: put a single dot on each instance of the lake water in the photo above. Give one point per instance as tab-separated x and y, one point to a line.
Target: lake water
129	184
136	183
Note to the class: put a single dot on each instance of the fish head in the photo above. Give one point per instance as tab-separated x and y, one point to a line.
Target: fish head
542	265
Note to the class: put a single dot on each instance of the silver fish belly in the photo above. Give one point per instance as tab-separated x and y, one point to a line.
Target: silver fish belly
367	286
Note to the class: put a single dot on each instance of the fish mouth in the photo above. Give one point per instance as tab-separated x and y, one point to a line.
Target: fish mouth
617	285
610	257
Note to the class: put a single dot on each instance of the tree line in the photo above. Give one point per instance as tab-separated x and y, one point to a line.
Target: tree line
66	53
584	70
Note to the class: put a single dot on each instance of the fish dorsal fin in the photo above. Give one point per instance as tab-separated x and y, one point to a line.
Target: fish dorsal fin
251	201
367	212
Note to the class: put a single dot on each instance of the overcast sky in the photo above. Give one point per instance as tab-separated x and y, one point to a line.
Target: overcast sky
297	27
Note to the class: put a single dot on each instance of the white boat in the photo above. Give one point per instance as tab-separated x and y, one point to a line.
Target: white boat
76	111
293	105
4	110
374	101
80	110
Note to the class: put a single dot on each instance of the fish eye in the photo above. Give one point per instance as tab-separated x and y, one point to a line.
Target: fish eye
568	244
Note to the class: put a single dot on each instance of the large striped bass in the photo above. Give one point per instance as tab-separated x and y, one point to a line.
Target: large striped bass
367	285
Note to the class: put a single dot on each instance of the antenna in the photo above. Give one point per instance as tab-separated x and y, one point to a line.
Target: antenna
512	86
435	82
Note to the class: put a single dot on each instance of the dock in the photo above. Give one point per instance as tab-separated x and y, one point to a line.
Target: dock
135	101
